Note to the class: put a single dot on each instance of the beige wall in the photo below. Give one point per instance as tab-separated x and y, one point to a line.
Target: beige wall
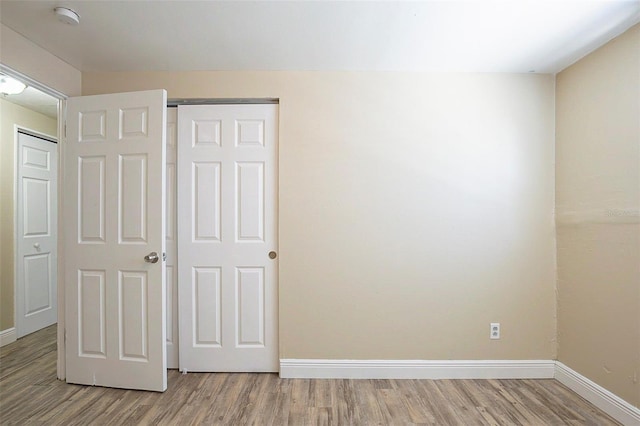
598	215
414	208
31	60
10	115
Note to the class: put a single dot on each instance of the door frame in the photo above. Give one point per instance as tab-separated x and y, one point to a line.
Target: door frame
61	140
16	260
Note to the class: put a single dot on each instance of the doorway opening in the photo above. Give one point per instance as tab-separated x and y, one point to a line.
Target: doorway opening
30	113
46	103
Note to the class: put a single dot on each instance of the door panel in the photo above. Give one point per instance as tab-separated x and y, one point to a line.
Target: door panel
91	214
37	279
114	215
92	324
250	307
132	217
250	199
206	203
228	294
36	269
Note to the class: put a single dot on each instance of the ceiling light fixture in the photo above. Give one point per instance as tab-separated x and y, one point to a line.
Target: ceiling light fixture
11	86
66	15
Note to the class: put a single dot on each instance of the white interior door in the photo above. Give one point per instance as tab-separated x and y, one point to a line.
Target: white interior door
227	219
114	223
172	241
37	211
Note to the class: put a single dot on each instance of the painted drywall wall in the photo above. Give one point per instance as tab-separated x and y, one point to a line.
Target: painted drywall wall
598	216
414	209
11	115
24	56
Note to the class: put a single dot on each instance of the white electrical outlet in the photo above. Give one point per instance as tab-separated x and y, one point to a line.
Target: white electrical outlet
494	332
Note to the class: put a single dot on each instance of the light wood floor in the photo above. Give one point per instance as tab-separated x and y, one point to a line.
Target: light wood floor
31	394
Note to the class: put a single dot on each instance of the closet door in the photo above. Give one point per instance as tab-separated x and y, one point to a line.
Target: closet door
37	219
227	240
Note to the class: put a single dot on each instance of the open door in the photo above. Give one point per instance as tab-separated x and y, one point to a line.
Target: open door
114	240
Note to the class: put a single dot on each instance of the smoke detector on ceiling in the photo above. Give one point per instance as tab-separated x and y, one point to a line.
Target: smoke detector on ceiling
66	15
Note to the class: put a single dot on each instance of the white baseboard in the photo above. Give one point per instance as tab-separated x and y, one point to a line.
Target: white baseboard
611	404
8	336
415	369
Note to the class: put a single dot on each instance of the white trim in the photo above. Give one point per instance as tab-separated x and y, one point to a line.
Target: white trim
416	369
8	336
62	138
611	404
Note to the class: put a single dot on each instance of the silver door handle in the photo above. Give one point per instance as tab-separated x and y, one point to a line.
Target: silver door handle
36	246
151	257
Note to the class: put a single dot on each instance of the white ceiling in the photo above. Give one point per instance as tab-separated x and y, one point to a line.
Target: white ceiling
469	36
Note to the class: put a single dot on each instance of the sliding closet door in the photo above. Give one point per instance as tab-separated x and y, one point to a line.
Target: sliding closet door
227	240
171	265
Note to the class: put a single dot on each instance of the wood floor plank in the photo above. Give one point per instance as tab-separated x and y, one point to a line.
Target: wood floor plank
30	394
413	403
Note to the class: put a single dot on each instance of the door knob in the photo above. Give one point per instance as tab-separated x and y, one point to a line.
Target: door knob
151	257
273	255
36	246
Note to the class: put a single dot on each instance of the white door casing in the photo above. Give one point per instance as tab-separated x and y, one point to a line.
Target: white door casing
114	216
36	219
172	241
227	220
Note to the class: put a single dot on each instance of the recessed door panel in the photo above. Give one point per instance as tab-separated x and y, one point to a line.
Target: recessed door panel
206	201
36	203
206	307
92	126
36	158
91	314
205	132
134	122
171	201
250	307
250	132
171	300
250	201
133	199
91	203
132	301
38	283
